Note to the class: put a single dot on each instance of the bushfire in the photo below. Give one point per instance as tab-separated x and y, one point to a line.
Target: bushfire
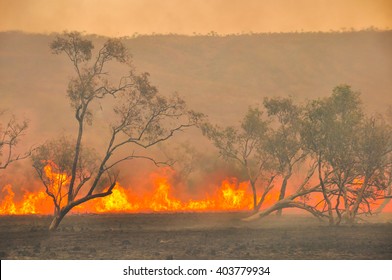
230	196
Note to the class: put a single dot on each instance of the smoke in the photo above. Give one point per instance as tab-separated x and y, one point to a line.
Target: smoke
123	17
218	76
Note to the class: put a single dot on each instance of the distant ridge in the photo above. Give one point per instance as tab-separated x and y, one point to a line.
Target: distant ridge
218	75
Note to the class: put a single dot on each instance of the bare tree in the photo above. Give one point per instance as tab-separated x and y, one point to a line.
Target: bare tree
142	118
10	134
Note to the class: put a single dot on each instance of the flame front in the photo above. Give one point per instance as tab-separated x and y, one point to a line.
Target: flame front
231	195
116	202
32	203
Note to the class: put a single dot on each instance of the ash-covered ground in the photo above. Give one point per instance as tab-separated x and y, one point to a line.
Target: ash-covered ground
192	236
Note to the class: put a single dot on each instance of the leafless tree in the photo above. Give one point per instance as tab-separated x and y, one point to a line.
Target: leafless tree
10	134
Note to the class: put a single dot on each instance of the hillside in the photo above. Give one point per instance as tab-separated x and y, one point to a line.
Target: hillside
220	76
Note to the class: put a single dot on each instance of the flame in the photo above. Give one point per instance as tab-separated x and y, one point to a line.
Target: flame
8	205
231	195
32	203
58	181
116	202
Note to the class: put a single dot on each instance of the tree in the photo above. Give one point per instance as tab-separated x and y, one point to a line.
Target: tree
387	196
53	163
142	118
373	167
244	145
10	135
330	130
265	153
352	153
283	142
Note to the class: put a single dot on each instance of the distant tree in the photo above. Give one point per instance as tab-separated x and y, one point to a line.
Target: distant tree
184	157
10	134
245	146
142	118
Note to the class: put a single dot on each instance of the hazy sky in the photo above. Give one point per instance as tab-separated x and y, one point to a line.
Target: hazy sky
125	17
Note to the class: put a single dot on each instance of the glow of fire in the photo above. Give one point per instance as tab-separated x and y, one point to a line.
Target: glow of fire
230	196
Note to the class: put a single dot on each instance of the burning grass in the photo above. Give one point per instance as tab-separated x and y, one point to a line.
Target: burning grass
163	197
230	196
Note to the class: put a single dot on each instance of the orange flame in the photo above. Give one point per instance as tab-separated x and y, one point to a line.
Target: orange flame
230	196
161	199
32	203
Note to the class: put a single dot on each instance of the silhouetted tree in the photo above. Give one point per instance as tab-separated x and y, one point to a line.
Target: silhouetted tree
142	118
10	134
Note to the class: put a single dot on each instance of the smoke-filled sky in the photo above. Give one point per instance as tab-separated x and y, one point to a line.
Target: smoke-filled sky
126	17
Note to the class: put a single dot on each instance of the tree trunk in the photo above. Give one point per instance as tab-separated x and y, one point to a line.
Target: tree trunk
327	200
262	198
56	221
76	159
282	193
358	200
64	211
339	215
285	203
385	202
253	185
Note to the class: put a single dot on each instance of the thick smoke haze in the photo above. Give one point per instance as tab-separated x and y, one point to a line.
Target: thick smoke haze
218	76
126	17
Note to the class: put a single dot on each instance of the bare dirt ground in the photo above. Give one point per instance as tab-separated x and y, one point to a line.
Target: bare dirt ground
192	236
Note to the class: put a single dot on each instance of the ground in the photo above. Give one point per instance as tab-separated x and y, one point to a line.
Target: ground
192	236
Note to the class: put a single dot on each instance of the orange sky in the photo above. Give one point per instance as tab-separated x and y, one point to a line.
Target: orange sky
126	17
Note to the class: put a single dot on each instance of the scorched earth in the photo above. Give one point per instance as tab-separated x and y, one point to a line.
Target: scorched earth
192	236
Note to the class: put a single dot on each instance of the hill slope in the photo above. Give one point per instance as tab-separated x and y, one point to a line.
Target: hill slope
220	76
